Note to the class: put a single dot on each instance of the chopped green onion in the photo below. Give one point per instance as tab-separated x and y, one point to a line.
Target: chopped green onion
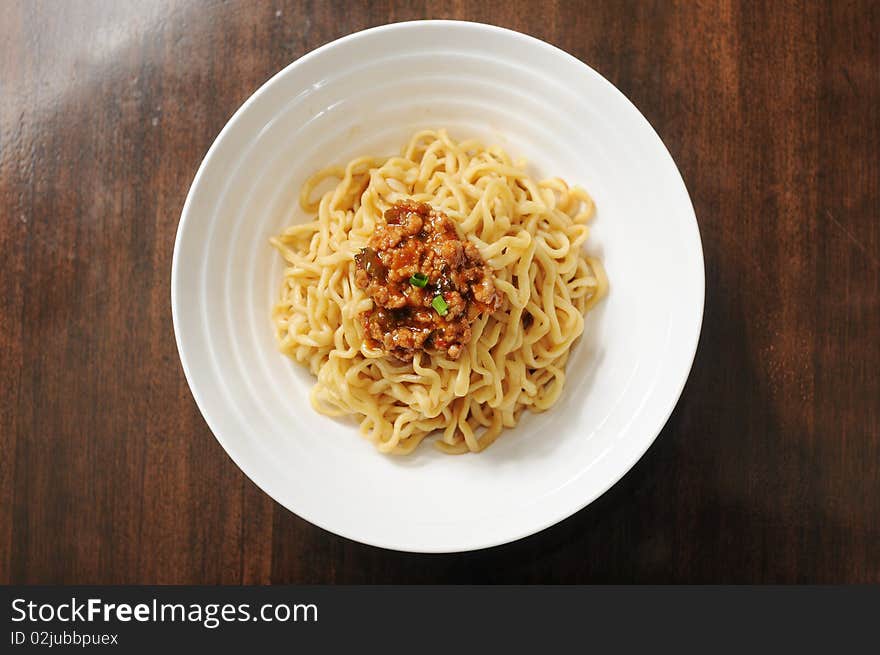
440	305
419	280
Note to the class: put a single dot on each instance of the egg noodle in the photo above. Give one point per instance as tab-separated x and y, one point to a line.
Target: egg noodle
529	232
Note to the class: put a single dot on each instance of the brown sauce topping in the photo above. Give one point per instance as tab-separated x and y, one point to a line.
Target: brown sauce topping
427	285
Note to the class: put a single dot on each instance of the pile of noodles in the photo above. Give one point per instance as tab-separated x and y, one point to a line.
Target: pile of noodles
531	234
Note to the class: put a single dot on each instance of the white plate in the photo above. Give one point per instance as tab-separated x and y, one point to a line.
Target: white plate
366	94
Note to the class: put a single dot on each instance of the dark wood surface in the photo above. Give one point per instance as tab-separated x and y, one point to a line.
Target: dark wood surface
767	471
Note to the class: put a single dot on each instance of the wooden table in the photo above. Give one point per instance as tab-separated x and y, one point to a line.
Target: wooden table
767	471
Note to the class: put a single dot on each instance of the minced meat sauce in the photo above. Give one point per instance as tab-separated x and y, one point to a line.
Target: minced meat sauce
427	284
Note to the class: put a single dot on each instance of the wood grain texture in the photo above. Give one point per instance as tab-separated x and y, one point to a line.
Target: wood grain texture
767	471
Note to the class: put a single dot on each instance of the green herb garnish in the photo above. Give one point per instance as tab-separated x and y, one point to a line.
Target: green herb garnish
440	305
419	280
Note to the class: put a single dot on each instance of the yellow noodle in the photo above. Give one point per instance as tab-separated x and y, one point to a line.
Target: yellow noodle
531	235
